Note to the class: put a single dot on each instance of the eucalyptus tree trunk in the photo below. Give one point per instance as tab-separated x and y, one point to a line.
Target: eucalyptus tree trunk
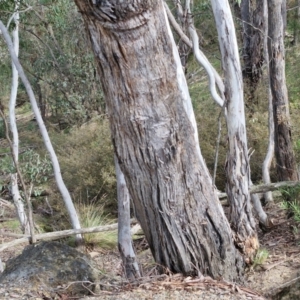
286	163
271	144
237	164
297	23
154	138
17	199
253	56
131	267
251	14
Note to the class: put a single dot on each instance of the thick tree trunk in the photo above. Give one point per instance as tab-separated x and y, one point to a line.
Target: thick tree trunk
286	163
131	267
154	138
237	164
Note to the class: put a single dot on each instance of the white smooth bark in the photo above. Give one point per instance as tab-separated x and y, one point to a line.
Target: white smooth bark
214	78
125	245
17	199
237	164
187	102
213	75
271	144
206	65
202	60
57	173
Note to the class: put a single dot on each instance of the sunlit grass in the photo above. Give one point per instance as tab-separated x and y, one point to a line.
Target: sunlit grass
92	215
260	257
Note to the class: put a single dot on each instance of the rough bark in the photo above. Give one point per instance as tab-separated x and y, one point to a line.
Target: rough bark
131	267
286	163
297	23
252	24
237	163
154	139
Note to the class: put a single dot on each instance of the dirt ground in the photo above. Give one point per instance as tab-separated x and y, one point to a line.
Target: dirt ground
262	281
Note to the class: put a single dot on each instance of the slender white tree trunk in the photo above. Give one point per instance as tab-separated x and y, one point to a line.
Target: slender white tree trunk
17	199
237	164
213	76
183	87
271	144
57	173
125	245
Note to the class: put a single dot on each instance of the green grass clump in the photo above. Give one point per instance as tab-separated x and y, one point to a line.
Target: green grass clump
260	257
91	216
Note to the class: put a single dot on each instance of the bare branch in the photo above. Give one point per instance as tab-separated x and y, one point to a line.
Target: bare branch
263	188
214	77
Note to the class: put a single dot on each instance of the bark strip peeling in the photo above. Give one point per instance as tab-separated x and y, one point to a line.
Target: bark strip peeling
154	141
285	158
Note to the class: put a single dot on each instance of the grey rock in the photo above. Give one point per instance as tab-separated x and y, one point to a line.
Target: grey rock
48	265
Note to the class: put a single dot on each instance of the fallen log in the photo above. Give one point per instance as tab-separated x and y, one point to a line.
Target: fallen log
58	234
263	188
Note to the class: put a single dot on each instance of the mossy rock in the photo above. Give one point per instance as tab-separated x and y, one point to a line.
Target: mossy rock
48	265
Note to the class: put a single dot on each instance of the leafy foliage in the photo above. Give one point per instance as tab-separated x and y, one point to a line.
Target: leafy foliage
291	201
54	52
36	170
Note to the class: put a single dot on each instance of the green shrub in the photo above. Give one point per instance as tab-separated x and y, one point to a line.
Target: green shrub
87	164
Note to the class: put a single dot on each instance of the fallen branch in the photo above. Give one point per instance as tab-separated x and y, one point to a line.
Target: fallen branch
263	188
58	234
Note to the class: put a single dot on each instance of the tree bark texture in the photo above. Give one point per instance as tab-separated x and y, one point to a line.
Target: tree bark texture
154	139
286	163
237	162
251	15
253	24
